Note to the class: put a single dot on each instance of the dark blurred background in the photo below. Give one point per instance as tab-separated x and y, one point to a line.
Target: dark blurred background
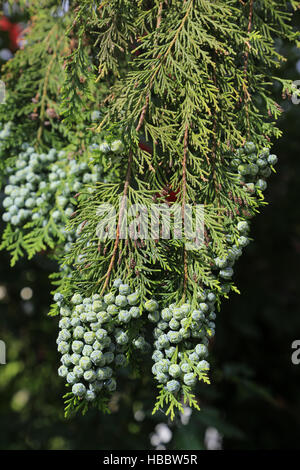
254	399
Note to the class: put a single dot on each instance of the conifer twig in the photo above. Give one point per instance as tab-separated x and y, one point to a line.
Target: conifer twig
214	144
184	162
160	7
125	192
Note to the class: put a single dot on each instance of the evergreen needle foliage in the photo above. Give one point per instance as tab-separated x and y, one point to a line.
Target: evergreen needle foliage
184	114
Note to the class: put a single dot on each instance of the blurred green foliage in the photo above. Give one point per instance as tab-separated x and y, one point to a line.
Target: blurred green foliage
254	399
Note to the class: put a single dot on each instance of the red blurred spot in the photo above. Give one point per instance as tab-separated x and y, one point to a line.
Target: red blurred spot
172	196
13	29
145	147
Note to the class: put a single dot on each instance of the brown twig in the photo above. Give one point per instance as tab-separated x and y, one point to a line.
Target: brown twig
214	144
143	114
121	213
246	60
184	162
165	54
